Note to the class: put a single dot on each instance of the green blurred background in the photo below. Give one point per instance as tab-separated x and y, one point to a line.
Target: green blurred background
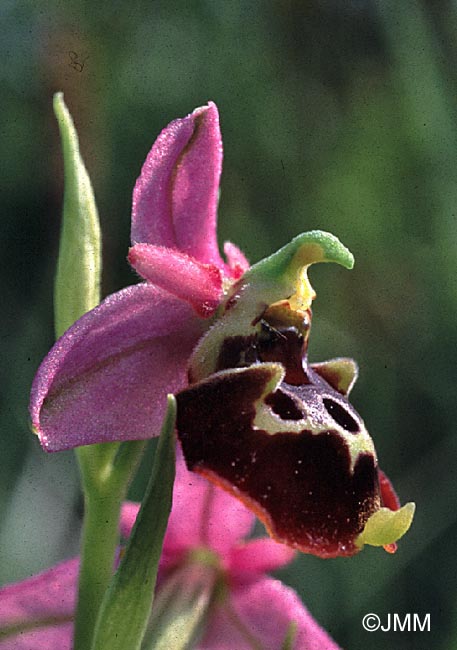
335	115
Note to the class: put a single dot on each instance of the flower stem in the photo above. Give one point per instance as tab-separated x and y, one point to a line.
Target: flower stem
104	486
98	546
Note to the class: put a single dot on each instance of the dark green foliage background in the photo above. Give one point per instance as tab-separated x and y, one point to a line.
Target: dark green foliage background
335	115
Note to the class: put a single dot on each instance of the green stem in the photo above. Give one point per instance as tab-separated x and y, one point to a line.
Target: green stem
100	538
104	485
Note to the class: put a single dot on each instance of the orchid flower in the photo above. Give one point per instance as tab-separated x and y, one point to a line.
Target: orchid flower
254	416
204	545
107	378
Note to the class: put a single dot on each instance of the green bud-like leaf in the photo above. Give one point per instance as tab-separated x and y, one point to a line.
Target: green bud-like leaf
127	604
77	281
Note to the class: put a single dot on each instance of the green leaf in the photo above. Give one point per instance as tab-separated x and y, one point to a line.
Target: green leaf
77	281
127	604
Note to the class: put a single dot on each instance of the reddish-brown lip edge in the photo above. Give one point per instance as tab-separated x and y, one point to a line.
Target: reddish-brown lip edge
390	500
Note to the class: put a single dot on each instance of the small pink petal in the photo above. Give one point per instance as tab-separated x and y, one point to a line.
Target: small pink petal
49	595
203	515
259	556
175	198
107	377
237	262
183	276
129	514
263	610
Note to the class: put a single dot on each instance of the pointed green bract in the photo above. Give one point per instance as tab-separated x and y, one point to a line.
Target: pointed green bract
127	604
76	291
77	281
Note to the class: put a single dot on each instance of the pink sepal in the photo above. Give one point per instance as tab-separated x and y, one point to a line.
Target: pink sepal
106	379
175	198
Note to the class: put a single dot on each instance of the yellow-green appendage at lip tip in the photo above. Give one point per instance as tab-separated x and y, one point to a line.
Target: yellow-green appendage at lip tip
386	526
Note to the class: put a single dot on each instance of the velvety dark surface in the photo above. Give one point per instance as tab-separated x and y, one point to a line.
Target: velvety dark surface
301	484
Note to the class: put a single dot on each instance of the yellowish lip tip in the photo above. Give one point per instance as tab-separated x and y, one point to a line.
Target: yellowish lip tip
385	527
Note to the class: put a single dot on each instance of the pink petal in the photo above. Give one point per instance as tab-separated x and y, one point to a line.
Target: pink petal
259	556
236	260
129	513
183	276
265	608
175	198
49	595
203	515
107	377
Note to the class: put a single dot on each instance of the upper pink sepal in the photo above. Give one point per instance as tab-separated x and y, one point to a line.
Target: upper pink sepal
183	276
175	198
48	597
106	379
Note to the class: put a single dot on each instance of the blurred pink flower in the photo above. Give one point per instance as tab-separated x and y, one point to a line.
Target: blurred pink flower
252	608
107	377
